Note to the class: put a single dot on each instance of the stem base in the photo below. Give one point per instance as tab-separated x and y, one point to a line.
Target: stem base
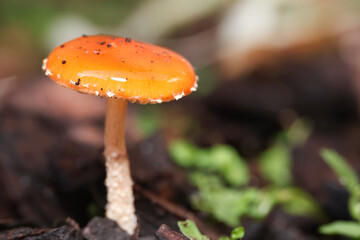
120	206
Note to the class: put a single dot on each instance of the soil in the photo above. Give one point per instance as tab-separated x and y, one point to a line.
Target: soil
51	177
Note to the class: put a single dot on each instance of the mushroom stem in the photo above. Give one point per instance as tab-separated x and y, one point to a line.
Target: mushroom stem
120	206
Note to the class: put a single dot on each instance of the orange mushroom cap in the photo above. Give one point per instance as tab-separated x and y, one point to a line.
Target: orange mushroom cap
111	66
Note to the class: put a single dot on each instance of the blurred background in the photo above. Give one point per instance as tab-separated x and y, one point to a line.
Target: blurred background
263	65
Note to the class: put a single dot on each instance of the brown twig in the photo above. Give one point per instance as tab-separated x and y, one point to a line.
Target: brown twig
177	211
166	233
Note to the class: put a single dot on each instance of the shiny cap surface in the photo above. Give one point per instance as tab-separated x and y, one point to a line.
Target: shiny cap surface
110	66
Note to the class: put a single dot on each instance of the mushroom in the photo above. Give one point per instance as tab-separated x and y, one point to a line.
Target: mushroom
121	70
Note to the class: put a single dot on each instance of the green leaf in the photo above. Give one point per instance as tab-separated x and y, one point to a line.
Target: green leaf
229	164
257	203
275	164
344	172
203	180
222	203
190	230
237	233
347	177
354	204
298	132
230	205
183	153
224	238
346	228
221	159
295	201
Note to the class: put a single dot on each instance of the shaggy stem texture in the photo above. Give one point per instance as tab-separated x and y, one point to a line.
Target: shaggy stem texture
120	206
